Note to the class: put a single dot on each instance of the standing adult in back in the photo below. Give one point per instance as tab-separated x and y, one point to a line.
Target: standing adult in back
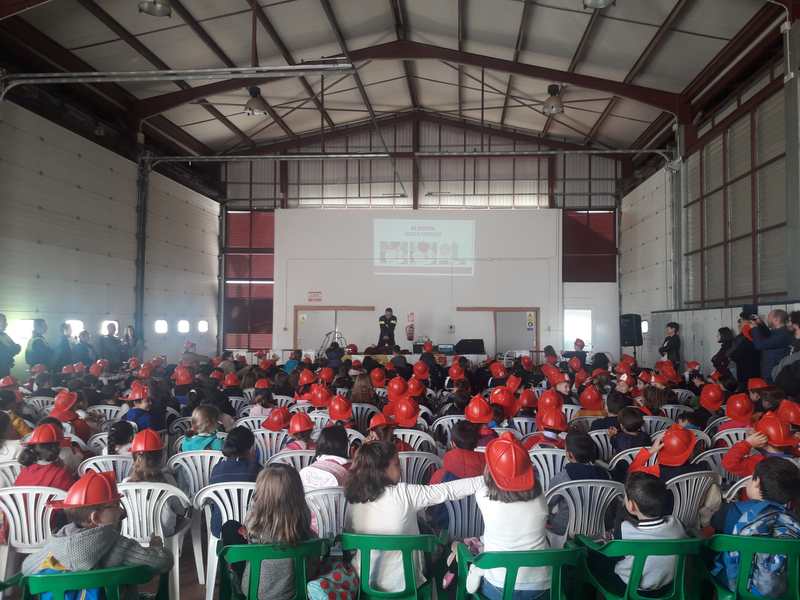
83	351
62	350
111	348
772	338
132	344
744	354
671	348
38	351
8	349
387	322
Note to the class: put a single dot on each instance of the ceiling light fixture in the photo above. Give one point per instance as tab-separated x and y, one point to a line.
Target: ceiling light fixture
256	105
156	8
553	105
598	4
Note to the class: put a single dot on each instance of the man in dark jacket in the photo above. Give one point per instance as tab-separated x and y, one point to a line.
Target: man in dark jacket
38	351
772	338
387	322
672	346
62	351
744	354
83	351
8	349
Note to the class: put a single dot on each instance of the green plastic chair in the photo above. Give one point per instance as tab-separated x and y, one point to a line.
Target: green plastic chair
110	580
406	544
641	550
747	546
254	554
512	562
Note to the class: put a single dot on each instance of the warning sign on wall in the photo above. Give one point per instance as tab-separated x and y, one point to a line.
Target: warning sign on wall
315	296
410	318
530	319
302	319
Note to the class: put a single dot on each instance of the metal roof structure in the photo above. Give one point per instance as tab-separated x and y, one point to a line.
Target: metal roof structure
626	73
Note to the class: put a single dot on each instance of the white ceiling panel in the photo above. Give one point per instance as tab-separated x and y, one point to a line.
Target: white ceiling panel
523	118
651	12
678	60
83	30
433	23
634	110
491	28
721	18
552	36
304	29
620	133
614	48
233	35
364	23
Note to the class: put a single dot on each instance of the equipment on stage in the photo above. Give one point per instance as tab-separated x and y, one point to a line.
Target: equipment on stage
630	330
470	347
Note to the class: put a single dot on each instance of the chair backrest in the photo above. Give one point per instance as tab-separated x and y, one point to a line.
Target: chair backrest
362	415
684	396
653	425
296	408
180	426
110	580
172	414
515	432
466	519
730	436
355	437
582	423
27	516
382	392
106	425
194	469
713	426
547	462
283	400
570	410
424	411
105	410
249	393
252	423
9	471
703	440
269	443
689	491
444	425
444	408
119	463
405	544
329	507
603	444
299	459
143	503
39	402
419	440
345	391
587	500
237	402
68	427
733	492
673	411
232	499
713	460
244	411
321	418
74	439
98	442
627	457
415	466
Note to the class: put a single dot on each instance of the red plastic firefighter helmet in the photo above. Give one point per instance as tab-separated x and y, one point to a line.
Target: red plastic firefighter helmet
231	380
406	413
326	375
93	489
147	440
278	419
552	418
479	411
740	408
777	430
300	422
378	377
509	463
591	399
498	370
678	446
321	396
711	397
341	409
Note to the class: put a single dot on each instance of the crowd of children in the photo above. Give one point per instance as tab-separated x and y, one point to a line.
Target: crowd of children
485	457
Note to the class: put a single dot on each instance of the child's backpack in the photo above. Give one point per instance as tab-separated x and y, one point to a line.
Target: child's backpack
769	572
51	565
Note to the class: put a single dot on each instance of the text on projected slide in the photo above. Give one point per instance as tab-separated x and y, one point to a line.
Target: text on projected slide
424	247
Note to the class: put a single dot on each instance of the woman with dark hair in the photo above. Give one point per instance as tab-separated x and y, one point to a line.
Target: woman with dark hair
743	353
720	360
331	460
671	348
132	344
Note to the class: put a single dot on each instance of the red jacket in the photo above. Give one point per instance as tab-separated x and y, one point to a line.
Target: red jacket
462	464
82	429
49	475
543	440
737	461
403	446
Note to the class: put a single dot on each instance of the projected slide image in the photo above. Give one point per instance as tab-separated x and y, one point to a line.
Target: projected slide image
423	247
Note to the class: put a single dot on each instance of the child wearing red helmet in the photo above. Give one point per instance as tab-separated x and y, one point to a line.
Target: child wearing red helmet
551	422
231	387
772	437
300	428
480	412
381	429
675	448
40	459
91	540
380	504
739	410
141	401
591	402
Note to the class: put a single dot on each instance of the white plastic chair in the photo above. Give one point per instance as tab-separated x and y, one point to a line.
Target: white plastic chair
416	439
249	393
569	411
713	426
9	471
627	457
283	400
106	425
355	437
515	432
269	443
689	491
732	494
362	415
252	423
653	425
321	418
382	392
444	408
684	396
237	402
38	402
603	444
329	508
526	425
74	439
713	458
296	408
415	466
588	500
193	471
119	463
68	428
244	411
582	423
98	442
424	411
345	391
232	500
143	503
28	518
548	462
466	519
730	436
299	459
180	426
444	425
107	411
673	411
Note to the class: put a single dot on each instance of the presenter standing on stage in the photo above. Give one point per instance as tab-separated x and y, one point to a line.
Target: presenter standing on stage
387	322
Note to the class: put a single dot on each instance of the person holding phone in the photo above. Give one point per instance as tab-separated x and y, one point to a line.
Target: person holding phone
772	338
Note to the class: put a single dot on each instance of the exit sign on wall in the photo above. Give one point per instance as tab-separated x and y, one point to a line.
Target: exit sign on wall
315	296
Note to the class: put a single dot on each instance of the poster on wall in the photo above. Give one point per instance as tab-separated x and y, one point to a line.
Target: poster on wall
315	296
423	247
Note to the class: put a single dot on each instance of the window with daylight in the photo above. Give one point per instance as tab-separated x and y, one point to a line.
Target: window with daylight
183	326
202	326
104	327
249	271
735	210
77	326
162	326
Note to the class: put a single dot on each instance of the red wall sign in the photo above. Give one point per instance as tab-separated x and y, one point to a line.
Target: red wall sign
315	296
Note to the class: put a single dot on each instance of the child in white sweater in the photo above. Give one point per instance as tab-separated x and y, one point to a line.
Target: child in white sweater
381	505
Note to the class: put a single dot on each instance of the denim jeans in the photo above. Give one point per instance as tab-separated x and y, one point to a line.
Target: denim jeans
496	593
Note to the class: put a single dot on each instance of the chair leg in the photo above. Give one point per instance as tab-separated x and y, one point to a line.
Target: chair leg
211	567
197	545
174	576
6	556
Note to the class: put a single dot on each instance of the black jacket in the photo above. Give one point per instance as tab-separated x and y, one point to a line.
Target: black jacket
746	357
672	348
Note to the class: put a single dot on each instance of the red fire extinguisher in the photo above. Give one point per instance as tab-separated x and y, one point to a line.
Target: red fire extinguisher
410	332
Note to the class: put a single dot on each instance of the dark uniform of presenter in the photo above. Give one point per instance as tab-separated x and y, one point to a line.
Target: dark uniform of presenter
388	322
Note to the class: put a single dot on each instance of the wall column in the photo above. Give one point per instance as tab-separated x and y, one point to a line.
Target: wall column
143	196
792	120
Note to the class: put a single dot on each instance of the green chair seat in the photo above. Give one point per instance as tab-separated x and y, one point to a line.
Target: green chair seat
110	580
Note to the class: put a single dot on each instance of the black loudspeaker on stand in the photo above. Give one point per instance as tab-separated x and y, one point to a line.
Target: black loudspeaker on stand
630	330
